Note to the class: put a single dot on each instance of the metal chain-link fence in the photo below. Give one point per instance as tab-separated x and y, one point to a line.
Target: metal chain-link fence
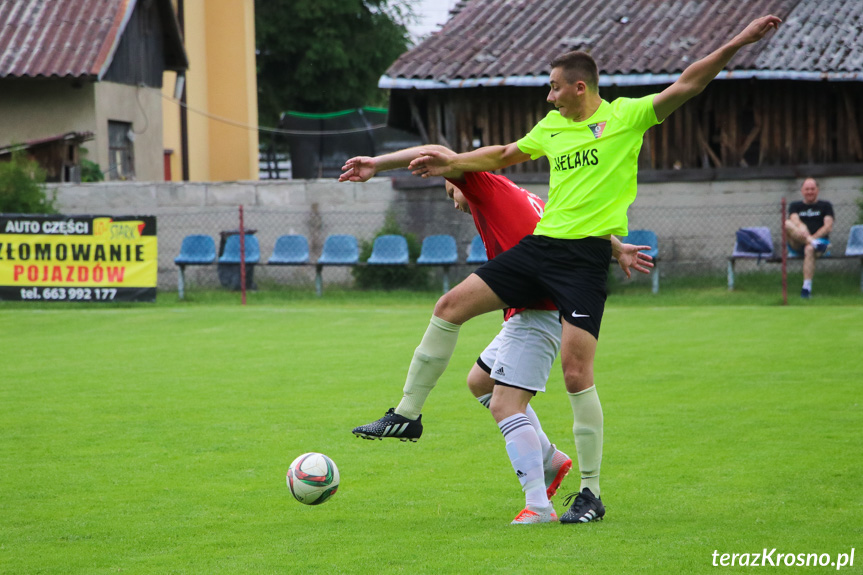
694	241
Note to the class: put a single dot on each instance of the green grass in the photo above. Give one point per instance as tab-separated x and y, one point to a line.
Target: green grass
155	439
750	288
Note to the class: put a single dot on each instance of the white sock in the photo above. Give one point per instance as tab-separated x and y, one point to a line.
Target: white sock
525	454
545	444
547	449
587	429
429	362
807	284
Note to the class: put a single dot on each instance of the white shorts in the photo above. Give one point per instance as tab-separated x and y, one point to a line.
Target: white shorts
522	353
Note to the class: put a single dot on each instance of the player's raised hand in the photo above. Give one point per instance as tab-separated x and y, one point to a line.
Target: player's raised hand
358	169
633	258
431	163
757	29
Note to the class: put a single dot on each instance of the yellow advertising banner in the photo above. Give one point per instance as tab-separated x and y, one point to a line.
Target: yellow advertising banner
78	258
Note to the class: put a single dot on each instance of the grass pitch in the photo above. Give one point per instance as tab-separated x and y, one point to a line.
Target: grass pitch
155	439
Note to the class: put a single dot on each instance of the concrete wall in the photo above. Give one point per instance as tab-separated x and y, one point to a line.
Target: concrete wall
142	108
31	109
695	222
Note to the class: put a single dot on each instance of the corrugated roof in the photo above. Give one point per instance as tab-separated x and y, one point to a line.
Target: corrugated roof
512	41
78	137
63	38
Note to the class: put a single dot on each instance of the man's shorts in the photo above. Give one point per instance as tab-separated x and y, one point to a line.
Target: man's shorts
572	273
523	351
822	248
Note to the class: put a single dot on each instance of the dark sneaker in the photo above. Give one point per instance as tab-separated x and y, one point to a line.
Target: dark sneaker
586	508
392	425
805	293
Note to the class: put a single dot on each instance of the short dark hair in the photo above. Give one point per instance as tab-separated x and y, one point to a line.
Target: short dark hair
577	66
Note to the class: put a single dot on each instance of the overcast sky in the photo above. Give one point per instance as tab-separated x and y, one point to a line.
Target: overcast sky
431	14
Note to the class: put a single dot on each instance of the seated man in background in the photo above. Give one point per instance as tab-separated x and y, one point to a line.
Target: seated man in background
808	226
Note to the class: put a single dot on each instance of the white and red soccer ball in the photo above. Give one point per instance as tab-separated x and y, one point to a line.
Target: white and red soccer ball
313	478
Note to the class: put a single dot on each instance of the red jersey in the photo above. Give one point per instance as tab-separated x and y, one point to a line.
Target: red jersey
503	214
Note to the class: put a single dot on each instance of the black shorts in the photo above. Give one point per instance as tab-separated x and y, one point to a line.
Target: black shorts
572	273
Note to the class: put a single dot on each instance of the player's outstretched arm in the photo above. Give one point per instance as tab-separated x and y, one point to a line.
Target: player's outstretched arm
696	77
485	159
362	168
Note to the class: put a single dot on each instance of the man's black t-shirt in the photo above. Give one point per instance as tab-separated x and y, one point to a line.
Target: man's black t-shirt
812	214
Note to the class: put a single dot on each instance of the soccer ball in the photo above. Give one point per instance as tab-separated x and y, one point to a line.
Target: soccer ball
313	478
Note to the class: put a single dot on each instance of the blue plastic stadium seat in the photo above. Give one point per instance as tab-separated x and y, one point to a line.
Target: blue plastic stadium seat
740	253
646	238
340	250
438	251
389	250
290	250
231	255
476	253
643	238
855	247
764	234
197	249
855	241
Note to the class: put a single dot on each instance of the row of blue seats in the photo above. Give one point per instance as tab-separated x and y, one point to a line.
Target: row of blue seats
343	250
339	249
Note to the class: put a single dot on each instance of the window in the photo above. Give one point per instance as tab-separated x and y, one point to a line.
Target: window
121	152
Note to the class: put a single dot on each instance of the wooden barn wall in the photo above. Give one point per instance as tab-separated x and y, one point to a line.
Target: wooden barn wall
140	55
731	124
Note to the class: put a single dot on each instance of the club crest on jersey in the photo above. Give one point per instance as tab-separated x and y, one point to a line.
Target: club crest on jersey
597	129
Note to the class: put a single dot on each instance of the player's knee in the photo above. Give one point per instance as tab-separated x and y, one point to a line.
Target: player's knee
477	385
446	307
578	377
499	408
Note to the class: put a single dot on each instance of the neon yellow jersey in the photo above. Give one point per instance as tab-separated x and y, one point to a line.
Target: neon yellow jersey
594	165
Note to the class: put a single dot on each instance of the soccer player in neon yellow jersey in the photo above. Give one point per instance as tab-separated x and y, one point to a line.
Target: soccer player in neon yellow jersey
592	146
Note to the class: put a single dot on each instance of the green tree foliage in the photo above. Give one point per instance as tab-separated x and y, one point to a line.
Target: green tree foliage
391	277
22	187
324	55
90	170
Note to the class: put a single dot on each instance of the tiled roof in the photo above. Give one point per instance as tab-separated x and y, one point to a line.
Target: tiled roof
61	38
516	39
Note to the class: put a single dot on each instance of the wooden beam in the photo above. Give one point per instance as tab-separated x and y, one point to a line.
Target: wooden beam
418	121
705	147
747	142
854	145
